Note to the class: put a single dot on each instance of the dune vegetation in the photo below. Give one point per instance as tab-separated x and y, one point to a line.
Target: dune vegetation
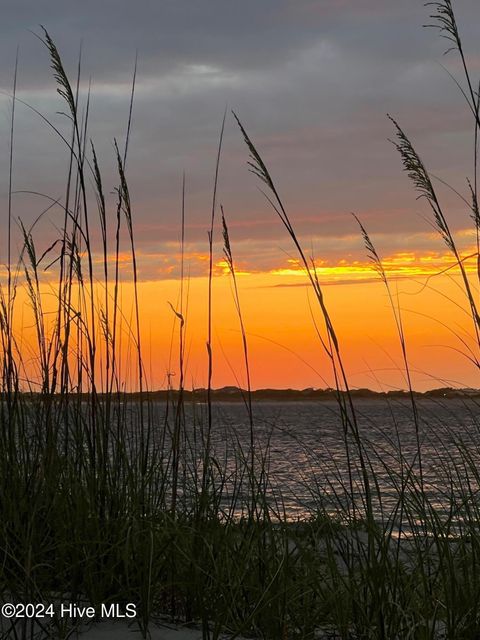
105	498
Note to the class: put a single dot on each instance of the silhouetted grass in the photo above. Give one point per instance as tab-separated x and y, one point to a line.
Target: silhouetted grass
106	497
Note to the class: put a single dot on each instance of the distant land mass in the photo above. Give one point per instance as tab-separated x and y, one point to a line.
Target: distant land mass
236	394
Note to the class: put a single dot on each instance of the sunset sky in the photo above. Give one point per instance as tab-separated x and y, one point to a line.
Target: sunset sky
312	82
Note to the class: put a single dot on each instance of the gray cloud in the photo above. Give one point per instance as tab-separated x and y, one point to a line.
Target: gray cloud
311	80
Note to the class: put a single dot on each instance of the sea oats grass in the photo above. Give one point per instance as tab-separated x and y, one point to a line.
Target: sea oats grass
107	495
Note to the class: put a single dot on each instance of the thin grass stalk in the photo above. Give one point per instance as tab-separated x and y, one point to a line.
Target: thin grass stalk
64	289
258	167
328	348
179	417
9	370
10	293
114	381
379	268
421	179
206	461
445	21
126	204
113	378
227	251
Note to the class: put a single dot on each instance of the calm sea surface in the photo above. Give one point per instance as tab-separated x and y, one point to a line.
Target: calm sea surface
302	445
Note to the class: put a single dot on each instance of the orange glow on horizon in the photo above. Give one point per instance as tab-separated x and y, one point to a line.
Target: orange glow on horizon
281	318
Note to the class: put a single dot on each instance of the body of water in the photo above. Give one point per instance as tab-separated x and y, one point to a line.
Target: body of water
312	463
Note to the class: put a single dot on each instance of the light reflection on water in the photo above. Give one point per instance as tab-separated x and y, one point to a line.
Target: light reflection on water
307	462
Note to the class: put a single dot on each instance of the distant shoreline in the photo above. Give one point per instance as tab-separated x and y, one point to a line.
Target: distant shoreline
235	394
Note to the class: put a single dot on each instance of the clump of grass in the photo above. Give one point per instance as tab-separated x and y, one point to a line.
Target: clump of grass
107	497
